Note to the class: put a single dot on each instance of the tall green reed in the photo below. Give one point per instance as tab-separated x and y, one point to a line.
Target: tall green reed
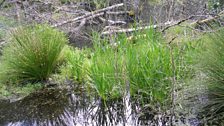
106	70
143	62
149	67
77	65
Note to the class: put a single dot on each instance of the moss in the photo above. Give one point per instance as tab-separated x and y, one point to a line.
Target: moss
13	92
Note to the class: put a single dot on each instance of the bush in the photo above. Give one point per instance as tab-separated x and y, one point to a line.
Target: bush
32	53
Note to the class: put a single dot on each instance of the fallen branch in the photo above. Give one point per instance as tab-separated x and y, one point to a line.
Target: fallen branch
88	15
208	20
168	24
111	22
176	23
83	22
117	13
127	30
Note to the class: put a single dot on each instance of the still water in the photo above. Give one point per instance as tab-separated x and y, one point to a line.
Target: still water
57	107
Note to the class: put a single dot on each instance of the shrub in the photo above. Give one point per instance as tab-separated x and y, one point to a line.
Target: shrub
32	53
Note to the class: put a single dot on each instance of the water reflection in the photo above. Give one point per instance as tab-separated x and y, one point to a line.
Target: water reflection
55	107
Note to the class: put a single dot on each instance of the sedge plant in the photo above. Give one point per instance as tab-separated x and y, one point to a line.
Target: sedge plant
77	64
106	69
32	53
143	62
149	67
212	65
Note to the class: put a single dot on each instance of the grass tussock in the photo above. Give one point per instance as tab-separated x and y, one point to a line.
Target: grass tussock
32	54
77	65
149	67
212	64
143	63
106	70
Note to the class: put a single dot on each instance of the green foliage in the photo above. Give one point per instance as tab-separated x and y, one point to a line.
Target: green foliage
106	70
32	53
216	5
13	91
212	64
143	62
100	3
77	65
149	67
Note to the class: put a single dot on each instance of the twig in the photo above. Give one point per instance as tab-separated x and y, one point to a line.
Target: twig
117	13
176	23
88	14
207	20
2	42
172	40
167	26
83	22
111	22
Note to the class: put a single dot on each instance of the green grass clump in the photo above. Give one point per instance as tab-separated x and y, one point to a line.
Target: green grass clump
144	63
149	67
77	65
32	54
212	64
106	70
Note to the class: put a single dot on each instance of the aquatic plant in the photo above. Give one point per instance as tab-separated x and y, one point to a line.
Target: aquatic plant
32	53
106	69
143	62
149	67
77	64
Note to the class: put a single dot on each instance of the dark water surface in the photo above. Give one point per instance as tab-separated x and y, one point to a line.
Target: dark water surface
57	107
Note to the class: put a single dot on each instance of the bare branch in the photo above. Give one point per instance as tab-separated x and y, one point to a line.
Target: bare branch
88	14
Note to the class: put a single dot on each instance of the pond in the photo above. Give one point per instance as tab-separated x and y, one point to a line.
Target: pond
63	107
